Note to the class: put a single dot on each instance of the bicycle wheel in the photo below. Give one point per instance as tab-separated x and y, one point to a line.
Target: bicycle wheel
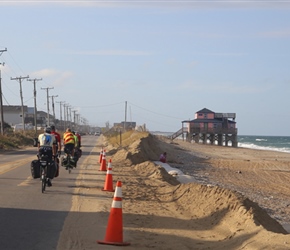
43	179
68	164
43	185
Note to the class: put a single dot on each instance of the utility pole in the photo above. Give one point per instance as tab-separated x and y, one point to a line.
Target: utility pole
35	108
74	118
60	114
69	115
77	121
1	102
47	100
64	116
125	116
1	106
53	110
20	78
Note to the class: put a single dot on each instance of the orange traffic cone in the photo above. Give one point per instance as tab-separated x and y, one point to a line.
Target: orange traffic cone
104	163
109	179
101	156
114	233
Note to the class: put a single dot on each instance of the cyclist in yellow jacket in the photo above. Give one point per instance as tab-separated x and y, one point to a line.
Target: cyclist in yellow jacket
69	141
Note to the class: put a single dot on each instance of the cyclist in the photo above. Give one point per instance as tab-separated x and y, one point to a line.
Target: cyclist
47	146
69	142
76	155
79	139
58	139
79	144
58	146
76	139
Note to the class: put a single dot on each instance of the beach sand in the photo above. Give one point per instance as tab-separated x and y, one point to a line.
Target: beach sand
239	200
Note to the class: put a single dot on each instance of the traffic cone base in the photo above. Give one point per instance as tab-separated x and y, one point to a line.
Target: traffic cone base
114	232
109	190
114	243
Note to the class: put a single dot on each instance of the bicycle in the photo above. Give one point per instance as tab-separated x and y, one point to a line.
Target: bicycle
48	170
67	161
43	159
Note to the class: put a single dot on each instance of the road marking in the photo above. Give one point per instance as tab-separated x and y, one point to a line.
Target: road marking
6	167
26	182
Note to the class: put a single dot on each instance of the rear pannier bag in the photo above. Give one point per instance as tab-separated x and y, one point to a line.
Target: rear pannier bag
51	170
35	169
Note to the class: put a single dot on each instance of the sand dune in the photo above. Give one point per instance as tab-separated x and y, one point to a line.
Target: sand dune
215	212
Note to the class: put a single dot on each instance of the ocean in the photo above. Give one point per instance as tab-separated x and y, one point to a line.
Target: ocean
272	143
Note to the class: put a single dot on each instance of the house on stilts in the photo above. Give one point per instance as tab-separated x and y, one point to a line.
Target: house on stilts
209	127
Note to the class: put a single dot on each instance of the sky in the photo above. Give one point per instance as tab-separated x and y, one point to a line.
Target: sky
151	62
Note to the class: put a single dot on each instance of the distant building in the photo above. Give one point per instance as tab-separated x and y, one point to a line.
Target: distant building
210	127
13	114
125	125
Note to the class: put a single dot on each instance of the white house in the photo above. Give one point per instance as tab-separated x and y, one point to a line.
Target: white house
13	114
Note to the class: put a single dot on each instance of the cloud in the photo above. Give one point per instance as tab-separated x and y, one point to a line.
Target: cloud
63	78
223	87
113	53
56	77
45	73
193	64
172	61
276	34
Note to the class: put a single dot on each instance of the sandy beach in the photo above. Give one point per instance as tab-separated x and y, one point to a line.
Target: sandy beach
240	198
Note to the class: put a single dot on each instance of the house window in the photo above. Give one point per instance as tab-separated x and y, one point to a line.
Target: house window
205	116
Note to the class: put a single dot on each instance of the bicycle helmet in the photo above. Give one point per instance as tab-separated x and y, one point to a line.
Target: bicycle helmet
47	130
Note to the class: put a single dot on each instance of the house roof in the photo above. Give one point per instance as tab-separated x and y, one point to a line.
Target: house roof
205	110
14	108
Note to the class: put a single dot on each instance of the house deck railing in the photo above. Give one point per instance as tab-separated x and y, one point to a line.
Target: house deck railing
214	130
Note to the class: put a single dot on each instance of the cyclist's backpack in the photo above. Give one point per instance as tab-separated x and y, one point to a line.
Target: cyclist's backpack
35	169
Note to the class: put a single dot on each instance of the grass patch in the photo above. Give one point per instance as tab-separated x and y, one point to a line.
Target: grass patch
16	140
118	139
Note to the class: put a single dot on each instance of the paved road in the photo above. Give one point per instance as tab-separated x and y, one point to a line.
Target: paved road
29	219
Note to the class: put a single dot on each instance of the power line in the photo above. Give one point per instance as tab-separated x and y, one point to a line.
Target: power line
156	112
5	99
101	106
15	62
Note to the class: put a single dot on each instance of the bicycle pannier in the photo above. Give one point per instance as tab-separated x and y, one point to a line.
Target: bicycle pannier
51	169
35	169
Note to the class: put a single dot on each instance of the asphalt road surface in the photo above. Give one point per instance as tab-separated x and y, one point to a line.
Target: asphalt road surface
30	219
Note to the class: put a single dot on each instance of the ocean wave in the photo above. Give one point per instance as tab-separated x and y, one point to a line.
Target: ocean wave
254	146
261	139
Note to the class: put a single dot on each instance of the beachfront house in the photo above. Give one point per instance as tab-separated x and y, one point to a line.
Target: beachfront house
209	127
